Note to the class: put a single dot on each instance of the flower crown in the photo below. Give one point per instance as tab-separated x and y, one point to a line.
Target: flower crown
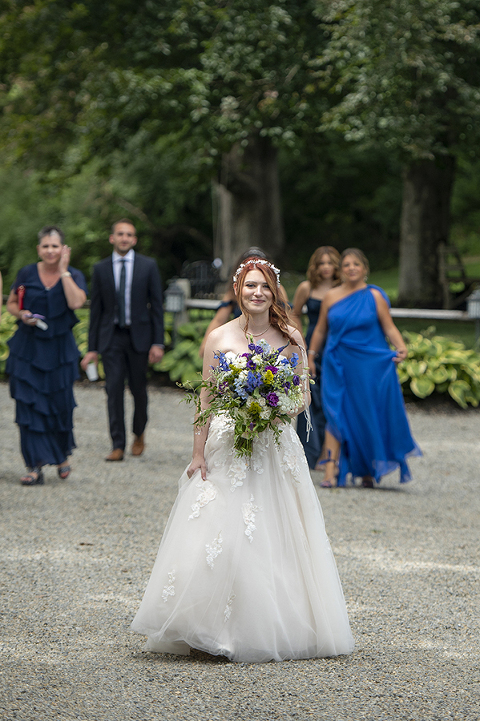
255	262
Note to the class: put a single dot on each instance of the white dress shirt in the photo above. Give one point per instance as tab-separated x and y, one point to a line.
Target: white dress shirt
129	259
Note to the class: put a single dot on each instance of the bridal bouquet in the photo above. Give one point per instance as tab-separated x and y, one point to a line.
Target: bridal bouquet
258	390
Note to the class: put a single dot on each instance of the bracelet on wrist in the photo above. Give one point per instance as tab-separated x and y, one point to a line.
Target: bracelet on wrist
312	352
66	274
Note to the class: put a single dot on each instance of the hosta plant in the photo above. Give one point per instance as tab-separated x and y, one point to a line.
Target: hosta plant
438	364
183	362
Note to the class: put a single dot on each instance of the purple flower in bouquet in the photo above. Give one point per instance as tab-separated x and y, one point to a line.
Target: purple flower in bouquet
251	365
296	380
274	369
272	399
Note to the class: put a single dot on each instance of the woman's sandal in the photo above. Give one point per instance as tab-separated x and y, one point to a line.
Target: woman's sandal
64	471
34	477
367	482
329	482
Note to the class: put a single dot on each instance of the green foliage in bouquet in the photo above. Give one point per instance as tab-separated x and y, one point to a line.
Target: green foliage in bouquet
438	364
183	362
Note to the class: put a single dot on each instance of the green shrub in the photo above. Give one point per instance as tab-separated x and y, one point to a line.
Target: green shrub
437	364
183	363
8	326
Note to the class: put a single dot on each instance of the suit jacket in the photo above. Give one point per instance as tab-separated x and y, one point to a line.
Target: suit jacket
146	327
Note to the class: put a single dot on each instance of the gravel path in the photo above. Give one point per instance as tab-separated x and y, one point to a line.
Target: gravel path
76	556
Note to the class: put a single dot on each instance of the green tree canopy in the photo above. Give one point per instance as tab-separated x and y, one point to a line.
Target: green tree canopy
406	73
102	72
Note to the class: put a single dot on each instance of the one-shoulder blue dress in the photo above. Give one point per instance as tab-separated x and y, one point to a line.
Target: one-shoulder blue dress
313	446
361	393
43	365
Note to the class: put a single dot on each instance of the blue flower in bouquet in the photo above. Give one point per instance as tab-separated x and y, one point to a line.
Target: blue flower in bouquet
254	380
222	361
264	346
294	360
240	389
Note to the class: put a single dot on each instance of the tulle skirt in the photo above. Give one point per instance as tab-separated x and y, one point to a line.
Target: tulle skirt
245	568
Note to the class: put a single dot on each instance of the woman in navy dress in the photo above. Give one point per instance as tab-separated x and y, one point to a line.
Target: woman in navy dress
367	434
322	276
43	360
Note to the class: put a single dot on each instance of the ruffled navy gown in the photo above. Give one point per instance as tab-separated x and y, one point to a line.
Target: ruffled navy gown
361	393
43	365
313	447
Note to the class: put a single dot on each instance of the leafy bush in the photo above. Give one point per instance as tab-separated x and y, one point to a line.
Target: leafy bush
8	326
183	363
437	364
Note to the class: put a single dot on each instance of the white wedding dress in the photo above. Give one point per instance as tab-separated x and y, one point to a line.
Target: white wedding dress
245	568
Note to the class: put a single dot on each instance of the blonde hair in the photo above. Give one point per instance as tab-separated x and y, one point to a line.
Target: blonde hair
314	261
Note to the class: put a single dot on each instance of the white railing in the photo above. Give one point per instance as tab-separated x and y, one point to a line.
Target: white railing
422	313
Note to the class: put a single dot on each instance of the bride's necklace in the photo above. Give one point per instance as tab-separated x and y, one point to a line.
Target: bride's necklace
255	335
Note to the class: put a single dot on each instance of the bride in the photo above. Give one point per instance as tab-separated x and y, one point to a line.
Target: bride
245	569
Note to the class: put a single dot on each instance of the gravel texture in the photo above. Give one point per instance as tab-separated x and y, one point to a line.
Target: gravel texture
76	556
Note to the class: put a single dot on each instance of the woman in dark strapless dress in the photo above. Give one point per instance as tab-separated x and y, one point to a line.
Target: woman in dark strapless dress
322	275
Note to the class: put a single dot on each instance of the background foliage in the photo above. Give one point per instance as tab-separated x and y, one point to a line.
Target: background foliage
109	110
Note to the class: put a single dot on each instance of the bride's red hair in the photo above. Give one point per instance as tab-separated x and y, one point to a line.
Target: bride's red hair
277	313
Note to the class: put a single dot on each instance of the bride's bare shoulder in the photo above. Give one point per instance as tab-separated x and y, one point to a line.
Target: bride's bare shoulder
224	337
297	337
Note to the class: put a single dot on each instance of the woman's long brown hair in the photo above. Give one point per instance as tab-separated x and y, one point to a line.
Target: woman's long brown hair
314	261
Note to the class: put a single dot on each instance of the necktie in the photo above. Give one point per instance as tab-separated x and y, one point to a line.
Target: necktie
121	297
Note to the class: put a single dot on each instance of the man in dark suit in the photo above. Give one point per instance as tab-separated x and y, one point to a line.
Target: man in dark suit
126	328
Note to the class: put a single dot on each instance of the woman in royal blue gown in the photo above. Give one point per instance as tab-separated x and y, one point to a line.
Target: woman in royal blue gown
43	360
368	434
322	276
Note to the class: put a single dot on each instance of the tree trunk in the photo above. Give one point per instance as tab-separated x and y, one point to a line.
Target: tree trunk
247	207
425	223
